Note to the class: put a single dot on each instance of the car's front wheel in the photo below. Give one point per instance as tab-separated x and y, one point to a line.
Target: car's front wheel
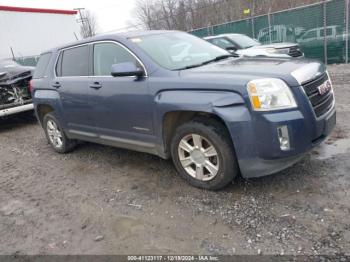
203	154
56	136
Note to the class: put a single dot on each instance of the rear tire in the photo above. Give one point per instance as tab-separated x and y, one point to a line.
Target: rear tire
203	154
56	136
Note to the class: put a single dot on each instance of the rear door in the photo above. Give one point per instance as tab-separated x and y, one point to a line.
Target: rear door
72	83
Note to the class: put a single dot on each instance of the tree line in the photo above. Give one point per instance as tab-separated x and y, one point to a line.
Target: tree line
191	14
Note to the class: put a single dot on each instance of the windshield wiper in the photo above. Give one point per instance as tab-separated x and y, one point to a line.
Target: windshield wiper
216	59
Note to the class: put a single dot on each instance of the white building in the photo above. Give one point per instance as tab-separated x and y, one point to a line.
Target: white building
30	31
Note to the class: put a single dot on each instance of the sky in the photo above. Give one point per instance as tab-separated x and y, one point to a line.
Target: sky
110	14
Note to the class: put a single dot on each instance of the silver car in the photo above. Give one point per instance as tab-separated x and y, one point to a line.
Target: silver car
244	45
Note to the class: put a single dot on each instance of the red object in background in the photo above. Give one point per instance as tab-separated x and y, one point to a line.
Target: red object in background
37	10
30	87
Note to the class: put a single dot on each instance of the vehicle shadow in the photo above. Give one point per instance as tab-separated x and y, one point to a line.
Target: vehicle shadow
17	121
151	170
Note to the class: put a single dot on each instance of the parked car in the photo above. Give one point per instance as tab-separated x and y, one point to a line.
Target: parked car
244	45
15	95
279	33
313	40
214	115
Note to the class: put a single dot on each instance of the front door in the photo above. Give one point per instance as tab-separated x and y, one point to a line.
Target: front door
122	105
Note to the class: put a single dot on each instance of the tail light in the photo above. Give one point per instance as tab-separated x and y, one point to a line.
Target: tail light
30	86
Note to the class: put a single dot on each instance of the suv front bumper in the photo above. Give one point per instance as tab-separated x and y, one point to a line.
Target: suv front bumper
259	151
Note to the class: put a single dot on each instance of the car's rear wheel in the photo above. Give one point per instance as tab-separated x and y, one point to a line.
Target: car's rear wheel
56	136
203	154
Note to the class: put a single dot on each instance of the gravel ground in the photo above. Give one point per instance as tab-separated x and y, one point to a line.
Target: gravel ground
103	200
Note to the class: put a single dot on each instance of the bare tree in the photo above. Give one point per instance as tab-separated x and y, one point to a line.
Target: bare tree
144	12
88	23
186	15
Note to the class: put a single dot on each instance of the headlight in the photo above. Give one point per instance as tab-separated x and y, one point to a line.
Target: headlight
270	94
271	50
284	51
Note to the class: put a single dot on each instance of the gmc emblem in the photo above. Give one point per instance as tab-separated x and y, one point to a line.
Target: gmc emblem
324	88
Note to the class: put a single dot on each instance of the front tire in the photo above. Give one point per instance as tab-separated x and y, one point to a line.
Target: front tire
203	154
56	136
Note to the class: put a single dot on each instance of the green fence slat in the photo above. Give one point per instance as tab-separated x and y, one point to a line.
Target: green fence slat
303	25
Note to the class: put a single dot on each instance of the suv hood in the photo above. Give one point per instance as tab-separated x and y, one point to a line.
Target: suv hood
292	71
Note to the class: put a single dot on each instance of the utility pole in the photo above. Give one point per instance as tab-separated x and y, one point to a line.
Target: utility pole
13	55
82	20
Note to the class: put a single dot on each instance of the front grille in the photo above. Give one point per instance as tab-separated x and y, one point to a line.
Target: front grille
321	103
294	51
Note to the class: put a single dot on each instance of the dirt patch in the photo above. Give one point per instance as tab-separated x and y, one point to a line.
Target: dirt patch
337	134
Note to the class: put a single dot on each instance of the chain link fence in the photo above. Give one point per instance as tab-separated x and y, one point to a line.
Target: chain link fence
321	29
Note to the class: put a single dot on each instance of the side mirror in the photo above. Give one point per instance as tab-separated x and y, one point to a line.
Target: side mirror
126	69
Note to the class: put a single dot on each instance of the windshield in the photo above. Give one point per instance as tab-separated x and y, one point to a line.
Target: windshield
178	50
243	41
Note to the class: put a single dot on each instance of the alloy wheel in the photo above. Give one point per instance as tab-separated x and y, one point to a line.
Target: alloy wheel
198	157
54	134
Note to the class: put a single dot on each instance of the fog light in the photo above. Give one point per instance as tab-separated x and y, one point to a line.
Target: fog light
283	137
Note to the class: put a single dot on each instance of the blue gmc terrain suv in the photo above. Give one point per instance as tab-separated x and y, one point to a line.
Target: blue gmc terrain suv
174	95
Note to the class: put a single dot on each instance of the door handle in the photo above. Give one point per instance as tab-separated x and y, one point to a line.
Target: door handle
95	85
56	85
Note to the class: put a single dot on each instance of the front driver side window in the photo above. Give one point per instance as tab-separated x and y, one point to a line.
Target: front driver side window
107	54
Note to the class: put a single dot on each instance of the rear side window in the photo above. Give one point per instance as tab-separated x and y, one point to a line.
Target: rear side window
107	54
73	62
41	67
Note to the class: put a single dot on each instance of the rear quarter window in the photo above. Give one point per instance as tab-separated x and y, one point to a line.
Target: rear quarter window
41	67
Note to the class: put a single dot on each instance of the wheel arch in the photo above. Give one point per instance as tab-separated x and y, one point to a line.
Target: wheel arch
173	119
175	107
42	110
